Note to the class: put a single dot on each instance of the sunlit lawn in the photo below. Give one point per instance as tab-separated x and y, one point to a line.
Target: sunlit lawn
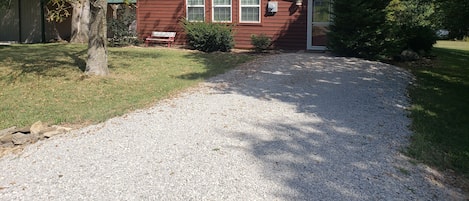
46	81
440	110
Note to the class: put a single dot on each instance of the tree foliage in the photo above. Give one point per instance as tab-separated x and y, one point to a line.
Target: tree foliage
359	28
453	15
411	25
58	10
381	29
78	10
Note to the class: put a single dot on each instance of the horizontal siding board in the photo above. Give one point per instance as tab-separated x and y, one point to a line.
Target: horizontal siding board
287	27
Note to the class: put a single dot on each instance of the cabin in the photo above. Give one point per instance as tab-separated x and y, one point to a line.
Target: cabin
291	24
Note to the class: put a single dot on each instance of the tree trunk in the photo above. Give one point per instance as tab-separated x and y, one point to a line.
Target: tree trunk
114	10
80	21
97	51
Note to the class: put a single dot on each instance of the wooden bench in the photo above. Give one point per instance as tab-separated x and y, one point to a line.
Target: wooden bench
160	36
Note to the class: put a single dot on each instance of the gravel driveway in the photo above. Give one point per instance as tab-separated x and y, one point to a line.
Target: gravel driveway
294	126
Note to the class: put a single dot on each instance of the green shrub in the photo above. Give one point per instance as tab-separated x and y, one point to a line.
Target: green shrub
359	29
381	29
209	37
122	29
121	34
411	25
421	39
260	42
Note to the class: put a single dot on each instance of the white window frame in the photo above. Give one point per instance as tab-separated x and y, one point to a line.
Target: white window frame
250	6
222	6
194	6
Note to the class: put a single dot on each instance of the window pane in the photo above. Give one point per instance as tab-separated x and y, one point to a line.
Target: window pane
321	11
249	14
222	14
249	2
221	2
195	2
195	14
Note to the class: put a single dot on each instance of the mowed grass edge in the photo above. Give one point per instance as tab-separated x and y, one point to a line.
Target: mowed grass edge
440	109
45	82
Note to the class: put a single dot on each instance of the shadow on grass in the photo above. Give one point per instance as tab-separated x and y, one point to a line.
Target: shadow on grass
53	60
57	60
125	58
440	112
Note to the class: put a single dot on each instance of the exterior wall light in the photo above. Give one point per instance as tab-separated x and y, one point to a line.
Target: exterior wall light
299	2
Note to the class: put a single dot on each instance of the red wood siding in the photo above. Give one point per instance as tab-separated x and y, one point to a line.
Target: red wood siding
160	15
287	27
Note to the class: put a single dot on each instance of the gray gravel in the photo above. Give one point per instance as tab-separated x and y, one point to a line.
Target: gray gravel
285	127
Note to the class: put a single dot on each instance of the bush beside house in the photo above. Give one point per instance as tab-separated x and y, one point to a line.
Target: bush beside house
209	37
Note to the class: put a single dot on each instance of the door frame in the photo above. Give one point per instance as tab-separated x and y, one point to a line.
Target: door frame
309	29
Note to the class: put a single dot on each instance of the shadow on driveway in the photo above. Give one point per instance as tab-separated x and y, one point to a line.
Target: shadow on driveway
343	142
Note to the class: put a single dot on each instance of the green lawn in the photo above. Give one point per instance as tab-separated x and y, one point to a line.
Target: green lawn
440	109
46	81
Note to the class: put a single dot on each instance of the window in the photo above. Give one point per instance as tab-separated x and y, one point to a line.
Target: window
321	11
250	11
195	10
221	10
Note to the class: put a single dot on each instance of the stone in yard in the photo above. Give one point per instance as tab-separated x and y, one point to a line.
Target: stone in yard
61	128
8	131
52	133
24	130
20	138
409	55
7	145
37	128
6	138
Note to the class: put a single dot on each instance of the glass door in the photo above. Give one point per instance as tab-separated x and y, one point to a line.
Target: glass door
319	19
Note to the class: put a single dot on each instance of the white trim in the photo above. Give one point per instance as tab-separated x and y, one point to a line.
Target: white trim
194	6
309	26
222	6
251	6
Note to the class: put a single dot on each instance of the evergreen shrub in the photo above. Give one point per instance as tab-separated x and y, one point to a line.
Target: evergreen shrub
209	37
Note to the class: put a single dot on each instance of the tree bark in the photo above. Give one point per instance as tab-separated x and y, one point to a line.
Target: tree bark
97	50
114	10
80	21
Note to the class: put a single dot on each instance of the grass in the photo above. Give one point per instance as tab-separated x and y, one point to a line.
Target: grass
440	109
46	81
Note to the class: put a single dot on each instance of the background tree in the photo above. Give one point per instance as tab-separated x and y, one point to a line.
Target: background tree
454	16
97	51
80	21
411	25
57	11
381	29
79	10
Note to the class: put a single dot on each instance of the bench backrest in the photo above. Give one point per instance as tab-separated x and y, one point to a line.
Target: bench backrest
163	34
